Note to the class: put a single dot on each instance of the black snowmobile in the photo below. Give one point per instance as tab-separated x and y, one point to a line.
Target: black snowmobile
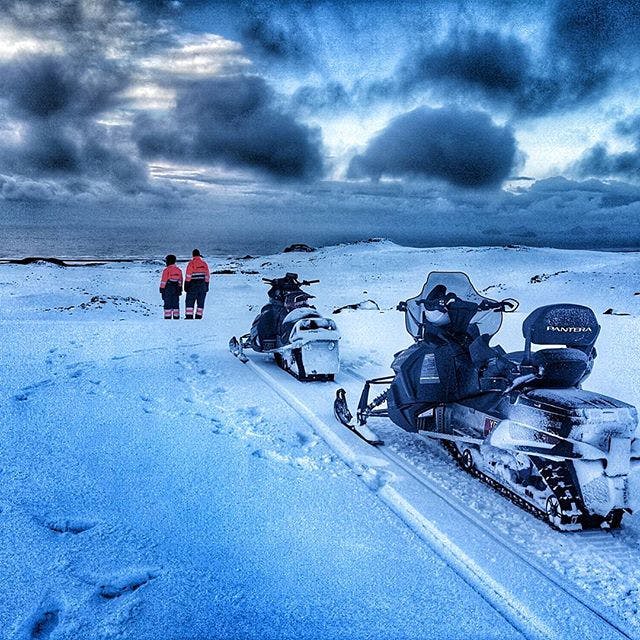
520	421
303	342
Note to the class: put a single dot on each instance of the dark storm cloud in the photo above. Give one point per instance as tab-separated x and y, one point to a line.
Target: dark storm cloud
47	85
235	121
588	46
463	148
599	162
56	100
261	34
502	69
499	65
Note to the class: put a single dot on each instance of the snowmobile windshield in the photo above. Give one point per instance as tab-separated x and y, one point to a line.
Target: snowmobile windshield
439	285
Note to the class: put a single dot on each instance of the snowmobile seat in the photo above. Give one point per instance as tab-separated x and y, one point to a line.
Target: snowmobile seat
561	367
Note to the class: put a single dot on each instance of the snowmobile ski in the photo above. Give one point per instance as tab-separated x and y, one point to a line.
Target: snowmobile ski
344	416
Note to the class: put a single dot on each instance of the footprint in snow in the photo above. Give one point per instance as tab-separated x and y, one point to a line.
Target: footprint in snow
26	392
307	440
123	584
253	412
73	526
217	426
304	463
41	623
147	400
374	478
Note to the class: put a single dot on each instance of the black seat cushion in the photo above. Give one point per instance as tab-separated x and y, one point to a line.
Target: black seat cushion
561	367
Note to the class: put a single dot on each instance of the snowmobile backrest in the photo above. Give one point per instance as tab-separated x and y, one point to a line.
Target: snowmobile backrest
570	325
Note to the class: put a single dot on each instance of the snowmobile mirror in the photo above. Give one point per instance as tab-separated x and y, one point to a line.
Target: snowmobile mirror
402	306
509	305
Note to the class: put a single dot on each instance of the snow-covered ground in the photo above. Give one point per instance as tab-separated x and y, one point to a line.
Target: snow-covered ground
152	487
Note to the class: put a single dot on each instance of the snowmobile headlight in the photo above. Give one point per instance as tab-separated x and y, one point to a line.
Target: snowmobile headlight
332	346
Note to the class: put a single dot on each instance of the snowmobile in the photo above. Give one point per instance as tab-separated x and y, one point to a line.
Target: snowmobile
519	421
302	341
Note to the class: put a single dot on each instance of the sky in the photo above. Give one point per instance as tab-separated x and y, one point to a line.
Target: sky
468	109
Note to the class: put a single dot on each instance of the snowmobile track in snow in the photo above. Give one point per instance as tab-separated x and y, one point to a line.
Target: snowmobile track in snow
537	601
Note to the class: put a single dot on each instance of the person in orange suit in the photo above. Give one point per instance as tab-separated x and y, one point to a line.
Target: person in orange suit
171	288
196	285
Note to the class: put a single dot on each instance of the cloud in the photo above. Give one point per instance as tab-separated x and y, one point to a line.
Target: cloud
463	148
498	65
195	56
502	69
56	106
42	86
54	102
599	162
583	50
235	121
280	41
332	97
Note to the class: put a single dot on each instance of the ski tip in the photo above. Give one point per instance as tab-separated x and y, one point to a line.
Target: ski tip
236	350
341	409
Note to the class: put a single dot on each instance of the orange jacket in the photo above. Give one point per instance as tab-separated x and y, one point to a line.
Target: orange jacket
172	273
197	269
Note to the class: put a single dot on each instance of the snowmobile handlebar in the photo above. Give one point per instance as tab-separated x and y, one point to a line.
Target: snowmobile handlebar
508	305
293	278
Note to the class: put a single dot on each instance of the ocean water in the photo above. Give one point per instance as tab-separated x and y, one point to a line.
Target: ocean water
239	227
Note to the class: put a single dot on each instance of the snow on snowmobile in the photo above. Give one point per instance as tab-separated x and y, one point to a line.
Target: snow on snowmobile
519	421
302	341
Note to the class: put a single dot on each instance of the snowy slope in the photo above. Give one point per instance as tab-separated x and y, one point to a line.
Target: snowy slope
152	487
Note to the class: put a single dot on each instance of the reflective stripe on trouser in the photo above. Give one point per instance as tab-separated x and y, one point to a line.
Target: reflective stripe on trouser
196	295
171	297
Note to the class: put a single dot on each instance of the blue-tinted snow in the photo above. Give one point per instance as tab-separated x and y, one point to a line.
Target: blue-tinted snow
149	491
151	487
